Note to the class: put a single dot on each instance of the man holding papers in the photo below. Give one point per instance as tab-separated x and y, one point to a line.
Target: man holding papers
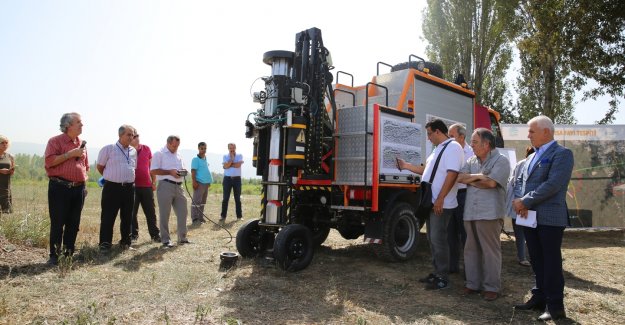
544	180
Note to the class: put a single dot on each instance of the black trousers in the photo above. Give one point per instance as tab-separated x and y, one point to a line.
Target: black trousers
231	184
116	198
544	245
64	205
456	234
144	196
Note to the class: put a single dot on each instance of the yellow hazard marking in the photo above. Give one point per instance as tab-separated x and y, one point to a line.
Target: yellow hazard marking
294	156
298	126
313	188
301	138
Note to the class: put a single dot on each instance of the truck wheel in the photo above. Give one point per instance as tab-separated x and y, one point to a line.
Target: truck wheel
249	239
293	248
401	234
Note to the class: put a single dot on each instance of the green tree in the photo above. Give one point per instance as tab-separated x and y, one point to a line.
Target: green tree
30	168
473	38
562	45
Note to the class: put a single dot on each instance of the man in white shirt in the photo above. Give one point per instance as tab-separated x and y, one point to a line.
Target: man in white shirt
457	236
169	170
444	190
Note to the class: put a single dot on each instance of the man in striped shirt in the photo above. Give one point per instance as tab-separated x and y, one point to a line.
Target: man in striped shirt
117	163
66	165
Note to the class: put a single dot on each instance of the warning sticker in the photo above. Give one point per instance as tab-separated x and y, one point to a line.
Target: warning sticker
301	137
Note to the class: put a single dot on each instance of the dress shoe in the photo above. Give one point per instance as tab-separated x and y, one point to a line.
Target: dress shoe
554	315
437	284
428	278
168	245
126	247
490	295
468	291
54	260
531	304
184	241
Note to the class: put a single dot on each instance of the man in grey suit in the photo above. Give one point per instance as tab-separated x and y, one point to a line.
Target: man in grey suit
545	180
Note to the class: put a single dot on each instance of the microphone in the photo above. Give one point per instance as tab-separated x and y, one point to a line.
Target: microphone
82	146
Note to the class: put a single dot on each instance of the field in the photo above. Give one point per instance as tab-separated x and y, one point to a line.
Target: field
345	284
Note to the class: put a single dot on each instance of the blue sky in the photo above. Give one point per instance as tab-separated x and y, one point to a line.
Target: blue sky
179	67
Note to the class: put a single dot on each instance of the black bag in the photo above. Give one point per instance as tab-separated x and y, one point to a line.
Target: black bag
426	196
426	187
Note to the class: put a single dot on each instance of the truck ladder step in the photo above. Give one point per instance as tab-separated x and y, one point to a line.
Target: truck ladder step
343	207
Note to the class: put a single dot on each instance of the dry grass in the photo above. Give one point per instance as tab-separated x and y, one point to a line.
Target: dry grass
345	284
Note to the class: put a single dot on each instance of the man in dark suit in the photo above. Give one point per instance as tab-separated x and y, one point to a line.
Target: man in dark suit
545	179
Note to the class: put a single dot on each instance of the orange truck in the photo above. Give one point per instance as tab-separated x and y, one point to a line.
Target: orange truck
326	152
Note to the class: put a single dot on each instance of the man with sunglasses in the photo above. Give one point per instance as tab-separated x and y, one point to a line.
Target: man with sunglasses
145	185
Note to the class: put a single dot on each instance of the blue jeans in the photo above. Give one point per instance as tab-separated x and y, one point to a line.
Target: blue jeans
437	235
519	240
229	184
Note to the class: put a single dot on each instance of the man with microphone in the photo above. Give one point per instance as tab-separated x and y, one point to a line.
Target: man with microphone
66	165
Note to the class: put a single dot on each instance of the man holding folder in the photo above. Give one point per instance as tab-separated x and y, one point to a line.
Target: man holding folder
544	181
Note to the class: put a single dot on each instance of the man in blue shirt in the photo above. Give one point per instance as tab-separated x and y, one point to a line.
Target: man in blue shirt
232	181
202	180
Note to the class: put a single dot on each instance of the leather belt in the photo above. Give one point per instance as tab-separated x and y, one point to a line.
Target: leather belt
462	190
170	181
122	184
233	176
66	183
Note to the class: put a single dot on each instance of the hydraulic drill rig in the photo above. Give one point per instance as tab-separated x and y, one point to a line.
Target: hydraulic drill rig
292	140
327	154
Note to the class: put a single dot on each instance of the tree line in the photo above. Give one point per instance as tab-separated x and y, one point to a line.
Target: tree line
31	168
563	46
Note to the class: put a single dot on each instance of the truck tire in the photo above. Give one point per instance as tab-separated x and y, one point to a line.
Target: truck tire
293	248
249	239
401	234
435	68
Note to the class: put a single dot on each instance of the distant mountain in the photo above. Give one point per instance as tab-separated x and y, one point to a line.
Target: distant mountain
214	159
